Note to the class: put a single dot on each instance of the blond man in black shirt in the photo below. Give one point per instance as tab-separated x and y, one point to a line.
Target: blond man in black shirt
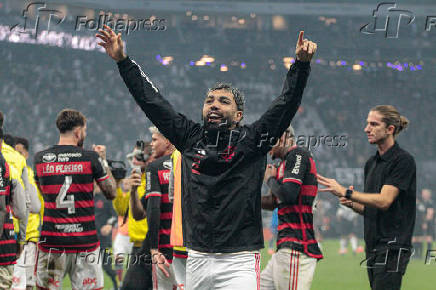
388	202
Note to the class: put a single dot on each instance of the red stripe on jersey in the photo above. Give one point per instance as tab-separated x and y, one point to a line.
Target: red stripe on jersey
292	180
295	226
8	226
63	168
295	209
312	166
54	189
309	190
4	242
287	239
165	232
79	234
103	178
164	176
8	255
7	172
195	171
71	220
153	194
8	263
165	246
180	256
166	216
77	204
5	191
165	198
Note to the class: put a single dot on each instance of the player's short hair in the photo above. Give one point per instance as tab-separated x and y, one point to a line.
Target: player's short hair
9	139
68	119
238	96
1	119
391	116
154	130
23	141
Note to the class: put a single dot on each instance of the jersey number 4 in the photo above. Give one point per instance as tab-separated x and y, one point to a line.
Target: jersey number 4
64	201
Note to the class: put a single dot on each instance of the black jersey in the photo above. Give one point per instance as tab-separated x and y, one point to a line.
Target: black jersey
158	206
65	174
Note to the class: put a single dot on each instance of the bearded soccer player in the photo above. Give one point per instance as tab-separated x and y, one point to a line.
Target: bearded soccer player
65	174
294	187
223	167
388	203
156	206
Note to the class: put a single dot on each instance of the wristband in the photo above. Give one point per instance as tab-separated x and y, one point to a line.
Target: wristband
348	193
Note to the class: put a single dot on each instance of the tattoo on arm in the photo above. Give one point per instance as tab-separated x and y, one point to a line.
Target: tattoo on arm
108	186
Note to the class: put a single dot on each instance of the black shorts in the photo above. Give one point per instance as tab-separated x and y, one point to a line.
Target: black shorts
138	274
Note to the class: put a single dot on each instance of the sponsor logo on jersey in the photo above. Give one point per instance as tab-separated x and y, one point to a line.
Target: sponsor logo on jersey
70	228
89	281
297	165
65	157
164	176
168	164
49	157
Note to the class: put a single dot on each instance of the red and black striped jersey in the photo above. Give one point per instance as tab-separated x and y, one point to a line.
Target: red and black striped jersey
65	174
295	229
8	243
158	206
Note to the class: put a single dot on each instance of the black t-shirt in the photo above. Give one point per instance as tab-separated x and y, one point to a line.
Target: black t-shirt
393	227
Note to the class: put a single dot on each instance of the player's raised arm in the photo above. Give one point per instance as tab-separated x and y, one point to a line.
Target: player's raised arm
173	126
277	118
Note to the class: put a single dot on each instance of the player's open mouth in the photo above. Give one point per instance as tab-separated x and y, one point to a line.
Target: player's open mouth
214	117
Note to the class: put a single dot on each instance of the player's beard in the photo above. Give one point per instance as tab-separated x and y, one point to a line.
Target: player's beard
81	141
226	123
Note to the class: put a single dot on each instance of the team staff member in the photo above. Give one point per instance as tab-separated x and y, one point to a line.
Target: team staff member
294	187
156	206
388	202
12	200
223	167
24	270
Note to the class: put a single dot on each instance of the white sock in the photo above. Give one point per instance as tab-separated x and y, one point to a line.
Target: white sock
343	244
353	242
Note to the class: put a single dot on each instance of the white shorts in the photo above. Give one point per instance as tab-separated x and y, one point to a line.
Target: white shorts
122	245
223	271
24	269
84	269
288	269
179	267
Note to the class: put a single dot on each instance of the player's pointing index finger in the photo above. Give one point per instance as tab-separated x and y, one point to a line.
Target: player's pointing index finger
300	38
